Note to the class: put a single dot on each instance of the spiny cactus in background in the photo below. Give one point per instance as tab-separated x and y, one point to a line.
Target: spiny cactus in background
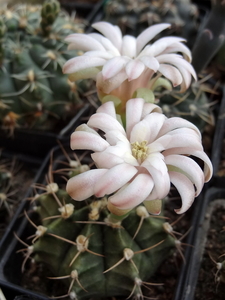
133	16
193	105
9	187
211	37
94	256
33	91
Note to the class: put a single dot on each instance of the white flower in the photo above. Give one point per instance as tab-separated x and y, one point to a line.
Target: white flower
138	164
122	64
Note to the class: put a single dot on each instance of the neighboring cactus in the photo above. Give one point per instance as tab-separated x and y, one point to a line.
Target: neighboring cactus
92	252
133	16
211	37
33	91
193	105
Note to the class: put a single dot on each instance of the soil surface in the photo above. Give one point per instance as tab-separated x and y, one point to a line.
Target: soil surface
209	287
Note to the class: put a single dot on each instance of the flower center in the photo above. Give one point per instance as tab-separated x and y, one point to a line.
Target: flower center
139	151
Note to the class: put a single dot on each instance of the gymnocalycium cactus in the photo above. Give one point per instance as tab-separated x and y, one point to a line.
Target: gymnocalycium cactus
134	16
108	237
89	250
34	92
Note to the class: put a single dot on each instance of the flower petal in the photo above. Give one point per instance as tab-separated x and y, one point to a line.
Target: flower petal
82	62
107	108
171	73
133	105
81	187
188	167
106	160
150	62
134	69
114	66
129	46
133	193
112	180
176	122
87	141
83	42
107	86
105	122
185	188
208	169
148	34
112	32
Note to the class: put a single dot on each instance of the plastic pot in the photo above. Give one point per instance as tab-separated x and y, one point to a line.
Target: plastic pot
197	272
38	143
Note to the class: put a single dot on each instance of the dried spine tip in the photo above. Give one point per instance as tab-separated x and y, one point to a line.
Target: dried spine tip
82	243
52	188
142	212
128	253
40	230
66	210
167	227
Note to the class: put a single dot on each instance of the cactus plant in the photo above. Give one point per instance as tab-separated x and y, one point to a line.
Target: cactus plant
193	105
91	253
34	92
135	16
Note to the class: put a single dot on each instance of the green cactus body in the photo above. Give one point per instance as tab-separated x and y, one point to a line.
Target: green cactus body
32	87
193	105
90	251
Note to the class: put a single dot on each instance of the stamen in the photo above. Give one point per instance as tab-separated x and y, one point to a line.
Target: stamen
139	151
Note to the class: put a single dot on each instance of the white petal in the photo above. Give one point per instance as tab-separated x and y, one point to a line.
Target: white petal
114	136
186	190
107	86
133	105
177	61
162	44
161	180
107	108
114	179
106	160
134	69
189	168
171	73
176	122
87	141
129	46
81	187
150	107
82	62
133	193
99	54
148	34
112	32
83	42
150	62
105	123
179	48
208	169
113	66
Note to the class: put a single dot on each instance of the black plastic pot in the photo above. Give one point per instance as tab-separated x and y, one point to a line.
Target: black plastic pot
218	142
11	262
38	143
201	225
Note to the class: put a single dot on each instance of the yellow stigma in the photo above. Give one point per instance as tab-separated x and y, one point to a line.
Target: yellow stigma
139	151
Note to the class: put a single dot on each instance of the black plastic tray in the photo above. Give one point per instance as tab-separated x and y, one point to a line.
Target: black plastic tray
39	143
187	289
